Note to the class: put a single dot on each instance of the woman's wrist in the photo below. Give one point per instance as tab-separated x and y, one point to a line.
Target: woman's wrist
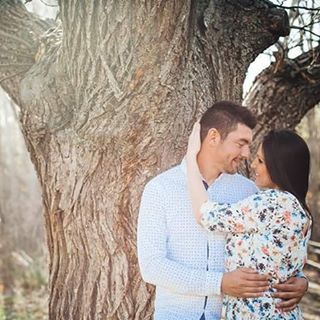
191	160
192	166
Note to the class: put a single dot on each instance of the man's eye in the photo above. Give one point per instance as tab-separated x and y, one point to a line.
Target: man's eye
260	161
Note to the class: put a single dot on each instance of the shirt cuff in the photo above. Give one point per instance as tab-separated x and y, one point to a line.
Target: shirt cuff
213	283
300	274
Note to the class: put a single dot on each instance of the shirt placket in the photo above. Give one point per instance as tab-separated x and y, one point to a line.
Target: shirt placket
206	297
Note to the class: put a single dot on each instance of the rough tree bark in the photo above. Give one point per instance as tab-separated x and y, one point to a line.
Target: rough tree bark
284	92
107	100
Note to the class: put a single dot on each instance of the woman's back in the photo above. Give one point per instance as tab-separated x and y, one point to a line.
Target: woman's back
266	232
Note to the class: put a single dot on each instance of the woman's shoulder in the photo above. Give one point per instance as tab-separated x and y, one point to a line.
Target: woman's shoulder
283	201
266	194
276	196
281	195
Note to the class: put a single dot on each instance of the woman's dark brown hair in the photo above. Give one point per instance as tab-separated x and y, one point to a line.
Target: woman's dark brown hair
287	159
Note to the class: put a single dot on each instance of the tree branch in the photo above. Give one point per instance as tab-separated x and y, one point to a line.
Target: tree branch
49	5
294	7
305	30
284	92
267	23
20	33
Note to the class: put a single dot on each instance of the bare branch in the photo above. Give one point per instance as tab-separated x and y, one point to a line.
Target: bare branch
305	30
49	5
295	7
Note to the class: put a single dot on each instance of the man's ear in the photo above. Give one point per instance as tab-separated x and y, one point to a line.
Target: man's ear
213	136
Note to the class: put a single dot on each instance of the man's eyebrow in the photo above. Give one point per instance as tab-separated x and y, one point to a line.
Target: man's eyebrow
245	140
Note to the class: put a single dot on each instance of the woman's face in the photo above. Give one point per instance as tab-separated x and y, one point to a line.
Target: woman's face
262	178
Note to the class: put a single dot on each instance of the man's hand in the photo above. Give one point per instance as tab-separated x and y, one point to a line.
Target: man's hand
291	292
244	283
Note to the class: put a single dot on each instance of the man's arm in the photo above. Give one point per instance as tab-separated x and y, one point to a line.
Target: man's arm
244	283
155	265
156	268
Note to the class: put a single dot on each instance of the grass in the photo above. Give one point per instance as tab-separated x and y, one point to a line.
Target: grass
27	297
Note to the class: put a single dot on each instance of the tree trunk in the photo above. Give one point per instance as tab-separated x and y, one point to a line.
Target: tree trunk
313	137
284	92
107	100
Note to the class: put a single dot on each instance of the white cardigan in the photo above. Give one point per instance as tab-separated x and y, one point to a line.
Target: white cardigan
175	254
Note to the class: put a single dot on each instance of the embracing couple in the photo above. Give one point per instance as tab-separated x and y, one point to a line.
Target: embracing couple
207	235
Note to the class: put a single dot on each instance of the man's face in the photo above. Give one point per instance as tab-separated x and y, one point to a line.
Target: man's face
233	149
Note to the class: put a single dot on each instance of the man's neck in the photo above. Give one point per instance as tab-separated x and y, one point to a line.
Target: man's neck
207	168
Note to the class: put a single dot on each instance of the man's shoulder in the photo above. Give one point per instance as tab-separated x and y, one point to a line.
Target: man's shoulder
237	177
172	175
232	188
240	180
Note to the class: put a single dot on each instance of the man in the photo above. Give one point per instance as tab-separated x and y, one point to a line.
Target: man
185	263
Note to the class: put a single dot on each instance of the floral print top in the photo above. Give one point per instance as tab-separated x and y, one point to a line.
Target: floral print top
266	232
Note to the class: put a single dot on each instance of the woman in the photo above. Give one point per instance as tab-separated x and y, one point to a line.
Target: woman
268	231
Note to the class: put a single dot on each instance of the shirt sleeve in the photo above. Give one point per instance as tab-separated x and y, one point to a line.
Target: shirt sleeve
300	274
278	216
155	266
287	223
240	217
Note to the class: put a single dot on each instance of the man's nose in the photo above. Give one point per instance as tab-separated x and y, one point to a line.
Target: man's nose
245	152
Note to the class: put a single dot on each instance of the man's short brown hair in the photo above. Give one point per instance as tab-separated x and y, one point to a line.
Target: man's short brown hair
225	116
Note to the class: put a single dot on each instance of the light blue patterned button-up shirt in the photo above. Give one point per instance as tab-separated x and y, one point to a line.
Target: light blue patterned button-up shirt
183	261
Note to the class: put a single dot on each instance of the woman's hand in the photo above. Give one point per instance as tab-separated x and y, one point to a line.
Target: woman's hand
194	143
291	292
196	188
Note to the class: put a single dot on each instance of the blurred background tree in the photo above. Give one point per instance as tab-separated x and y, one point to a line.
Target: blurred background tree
23	249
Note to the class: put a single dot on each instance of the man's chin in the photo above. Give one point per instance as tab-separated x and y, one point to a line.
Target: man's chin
231	170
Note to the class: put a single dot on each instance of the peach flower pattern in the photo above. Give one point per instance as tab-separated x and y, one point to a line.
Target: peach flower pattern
264	232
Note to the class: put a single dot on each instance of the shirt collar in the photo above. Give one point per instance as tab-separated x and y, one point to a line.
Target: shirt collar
183	166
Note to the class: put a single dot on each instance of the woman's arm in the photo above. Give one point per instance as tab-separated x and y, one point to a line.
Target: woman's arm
196	187
213	216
